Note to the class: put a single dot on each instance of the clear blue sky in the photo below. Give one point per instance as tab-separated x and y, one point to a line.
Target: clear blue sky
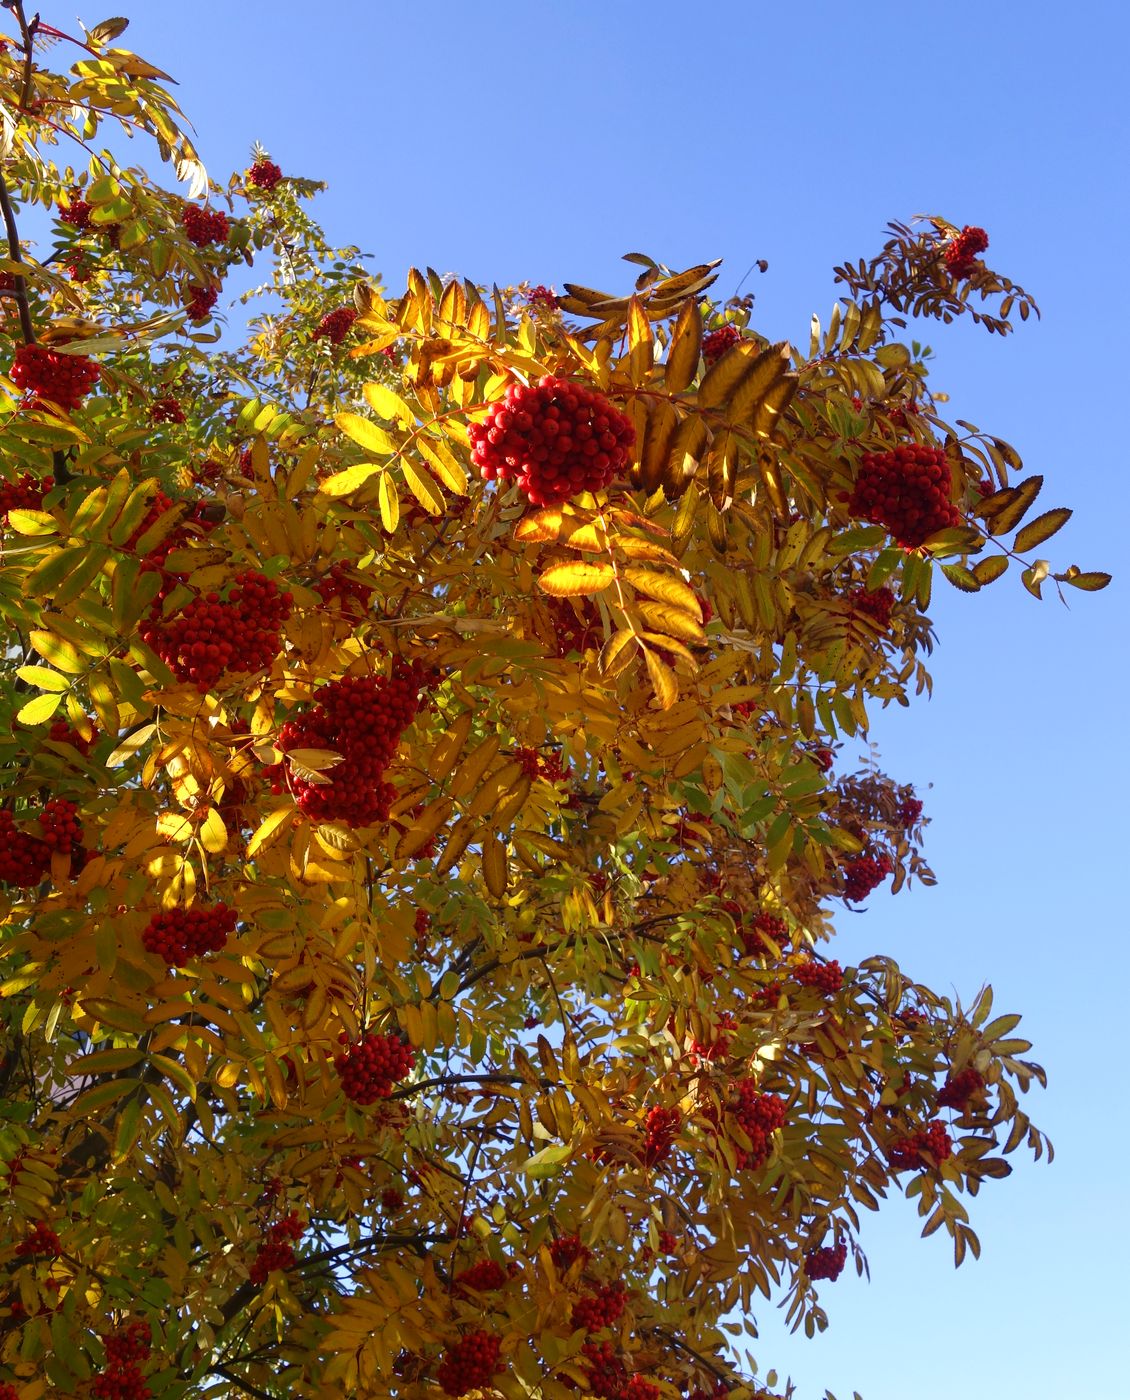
508	140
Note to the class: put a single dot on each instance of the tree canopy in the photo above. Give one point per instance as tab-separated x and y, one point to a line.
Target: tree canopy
426	795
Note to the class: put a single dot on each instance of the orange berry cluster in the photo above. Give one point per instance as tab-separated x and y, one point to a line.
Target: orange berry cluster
660	1130
754	931
863	874
907	491
342	583
361	718
907	1151
213	635
60	825
335	325
276	1250
122	1378
200	301
470	1363
24	859
960	1088
961	251
204	226
180	934
372	1065
25	494
604	1308
875	604
51	376
487	1274
41	1242
555	439
264	175
827	977
759	1116
565	1250
825	1263
716	343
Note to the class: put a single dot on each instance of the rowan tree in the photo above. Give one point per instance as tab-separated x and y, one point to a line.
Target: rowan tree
427	793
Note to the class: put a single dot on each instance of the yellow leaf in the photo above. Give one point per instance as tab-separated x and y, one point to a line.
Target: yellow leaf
130	745
422	487
424	828
540	527
270	829
44	678
664	587
617	653
686	342
389	502
671	621
39	709
444	464
32	522
640	343
388	404
213	834
366	434
447	750
314	760
352	479
473	767
495	865
174	826
62	654
575	578
662	679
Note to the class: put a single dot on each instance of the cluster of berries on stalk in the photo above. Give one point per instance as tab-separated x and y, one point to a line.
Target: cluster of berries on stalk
341	583
178	935
470	1363
565	1250
758	1115
25	494
875	604
601	1309
827	977
962	249
214	635
572	633
483	1277
538	765
864	874
205	226
276	1249
960	1088
755	929
264	175
554	439
63	733
661	1128
40	1243
716	343
909	812
542	298
50	376
335	325
166	410
24	859
370	1067
200	301
608	1376
76	212
907	1152
59	822
361	718
906	491
826	1263
125	1349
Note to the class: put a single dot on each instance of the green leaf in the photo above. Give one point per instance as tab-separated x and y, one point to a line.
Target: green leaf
1041	529
32	522
861	537
962	578
548	1162
986	570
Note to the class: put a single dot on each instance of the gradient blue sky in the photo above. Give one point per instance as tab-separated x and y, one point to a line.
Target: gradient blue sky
542	140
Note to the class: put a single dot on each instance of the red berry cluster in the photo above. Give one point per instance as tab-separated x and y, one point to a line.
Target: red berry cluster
961	251
51	376
60	825
25	494
204	226
81	269
361	718
573	633
565	1250
863	874
907	1151
606	1370
372	1065
166	410
753	932
264	175
542	298
341	583
469	1364
122	1378
716	343
660	1131
719	1047
180	934
43	1241
876	605
960	1088
907	491
601	1309
759	1116
487	1274
24	860
200	302
825	1263
9	1392
214	635
391	1200
909	812
76	212
336	325
539	765
276	1250
827	978
639	1388
554	439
